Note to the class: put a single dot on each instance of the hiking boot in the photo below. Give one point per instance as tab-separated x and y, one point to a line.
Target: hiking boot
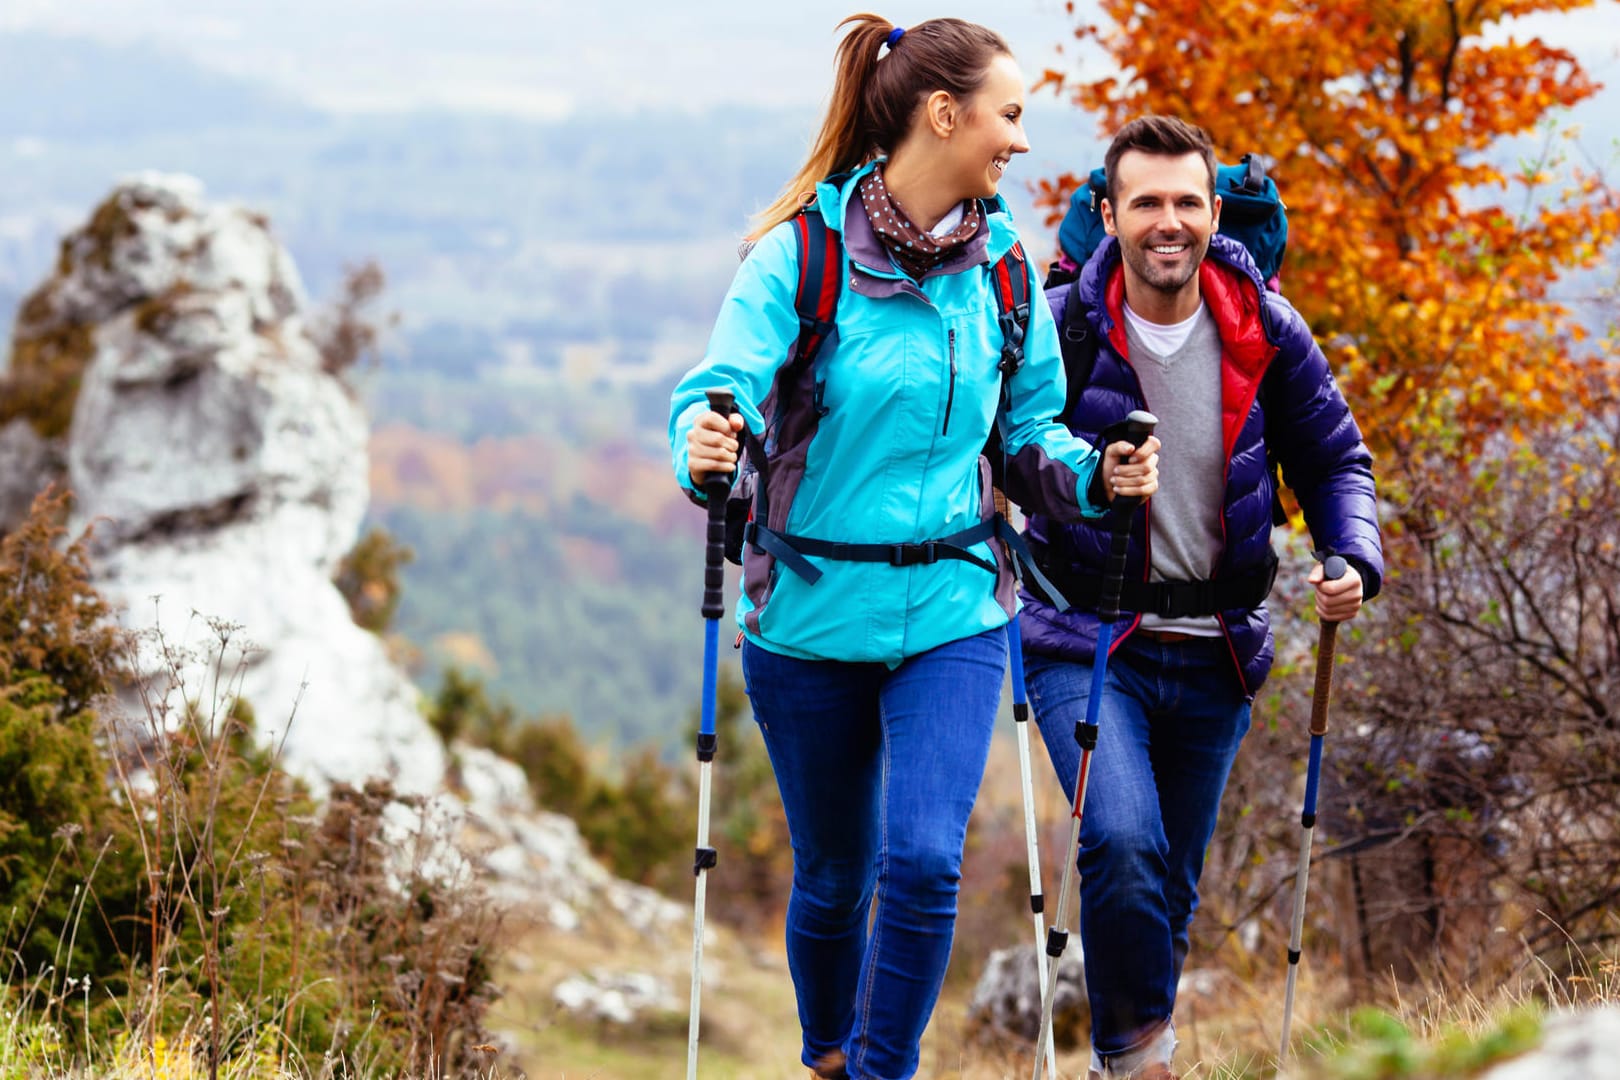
1156	1071
830	1067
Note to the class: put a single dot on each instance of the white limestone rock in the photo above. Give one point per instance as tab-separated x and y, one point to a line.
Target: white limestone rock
225	472
1006	1002
614	997
1585	1044
28	463
531	854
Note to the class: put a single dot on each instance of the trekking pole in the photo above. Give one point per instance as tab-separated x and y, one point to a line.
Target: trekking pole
715	487
1037	902
1135	429
1333	568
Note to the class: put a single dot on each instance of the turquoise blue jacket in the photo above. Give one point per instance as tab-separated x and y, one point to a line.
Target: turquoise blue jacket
907	388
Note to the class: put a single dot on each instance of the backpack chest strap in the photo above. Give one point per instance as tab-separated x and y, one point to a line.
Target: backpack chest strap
1167	599
791	551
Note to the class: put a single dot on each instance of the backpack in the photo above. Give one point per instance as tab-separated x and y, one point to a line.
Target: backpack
821	268
1252	213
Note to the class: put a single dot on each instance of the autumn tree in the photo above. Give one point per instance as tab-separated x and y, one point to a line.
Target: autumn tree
1424	266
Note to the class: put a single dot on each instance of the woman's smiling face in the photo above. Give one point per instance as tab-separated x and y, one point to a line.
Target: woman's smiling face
989	131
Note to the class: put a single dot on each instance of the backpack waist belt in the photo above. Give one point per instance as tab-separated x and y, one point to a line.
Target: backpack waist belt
1166	599
791	551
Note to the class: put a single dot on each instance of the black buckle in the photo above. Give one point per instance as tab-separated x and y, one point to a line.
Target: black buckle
1254	175
1012	334
1176	598
914	554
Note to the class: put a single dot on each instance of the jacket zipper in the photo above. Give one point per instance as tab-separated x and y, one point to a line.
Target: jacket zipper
950	395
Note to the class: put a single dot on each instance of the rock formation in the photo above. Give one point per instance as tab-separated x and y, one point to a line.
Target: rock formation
224	472
166	372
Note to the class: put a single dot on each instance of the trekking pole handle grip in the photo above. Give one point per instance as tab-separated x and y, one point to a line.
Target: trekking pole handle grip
1333	568
715	488
1135	429
1138	426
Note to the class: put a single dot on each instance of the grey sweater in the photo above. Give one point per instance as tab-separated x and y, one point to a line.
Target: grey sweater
1183	390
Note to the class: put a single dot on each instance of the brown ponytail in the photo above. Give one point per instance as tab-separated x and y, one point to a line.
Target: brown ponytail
874	98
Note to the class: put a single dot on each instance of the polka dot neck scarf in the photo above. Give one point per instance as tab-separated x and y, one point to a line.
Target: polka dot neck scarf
915	251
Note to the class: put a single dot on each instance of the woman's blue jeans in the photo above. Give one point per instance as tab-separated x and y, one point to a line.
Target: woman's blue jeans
878	771
1171	719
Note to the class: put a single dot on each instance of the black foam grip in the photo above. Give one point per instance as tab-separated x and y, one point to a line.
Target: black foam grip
1134	429
1113	583
715	490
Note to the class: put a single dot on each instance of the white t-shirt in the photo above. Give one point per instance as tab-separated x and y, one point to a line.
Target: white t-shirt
953	217
1163	340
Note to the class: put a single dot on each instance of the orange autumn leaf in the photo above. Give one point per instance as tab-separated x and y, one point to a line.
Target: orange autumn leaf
1425	270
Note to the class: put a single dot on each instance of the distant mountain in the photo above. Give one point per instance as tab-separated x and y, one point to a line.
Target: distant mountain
58	88
480	219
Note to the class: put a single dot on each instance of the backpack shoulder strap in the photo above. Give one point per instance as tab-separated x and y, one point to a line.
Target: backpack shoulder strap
1078	339
821	269
1011	273
815	300
1009	280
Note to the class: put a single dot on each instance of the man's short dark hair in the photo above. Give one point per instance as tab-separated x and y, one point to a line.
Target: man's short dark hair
1165	136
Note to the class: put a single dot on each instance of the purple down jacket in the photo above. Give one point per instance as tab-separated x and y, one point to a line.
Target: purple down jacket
1302	417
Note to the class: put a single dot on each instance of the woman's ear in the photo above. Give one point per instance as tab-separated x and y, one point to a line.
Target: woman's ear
940	113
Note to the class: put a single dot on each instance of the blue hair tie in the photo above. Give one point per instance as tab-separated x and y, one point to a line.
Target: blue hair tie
895	35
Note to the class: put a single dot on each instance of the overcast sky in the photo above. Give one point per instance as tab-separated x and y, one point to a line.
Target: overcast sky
550	57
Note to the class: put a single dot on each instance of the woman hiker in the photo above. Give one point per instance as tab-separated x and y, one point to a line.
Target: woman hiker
878	584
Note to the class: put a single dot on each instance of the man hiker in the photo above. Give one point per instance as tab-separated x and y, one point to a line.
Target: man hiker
1184	327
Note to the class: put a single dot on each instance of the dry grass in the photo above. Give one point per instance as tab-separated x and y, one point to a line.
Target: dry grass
750	1026
1230	1031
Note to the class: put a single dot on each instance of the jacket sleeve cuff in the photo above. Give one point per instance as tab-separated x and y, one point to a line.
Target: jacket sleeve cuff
1096	493
1371	582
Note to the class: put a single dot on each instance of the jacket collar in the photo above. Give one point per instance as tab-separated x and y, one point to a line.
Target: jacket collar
1228	279
838	201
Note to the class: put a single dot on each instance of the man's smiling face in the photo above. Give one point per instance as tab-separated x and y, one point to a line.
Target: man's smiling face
1163	212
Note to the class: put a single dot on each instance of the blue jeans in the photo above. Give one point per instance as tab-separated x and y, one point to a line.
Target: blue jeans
1171	720
878	771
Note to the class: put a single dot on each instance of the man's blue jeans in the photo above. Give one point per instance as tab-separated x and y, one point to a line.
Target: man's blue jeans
878	771
1171	720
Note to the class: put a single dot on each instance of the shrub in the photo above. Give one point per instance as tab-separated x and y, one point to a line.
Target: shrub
368	578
